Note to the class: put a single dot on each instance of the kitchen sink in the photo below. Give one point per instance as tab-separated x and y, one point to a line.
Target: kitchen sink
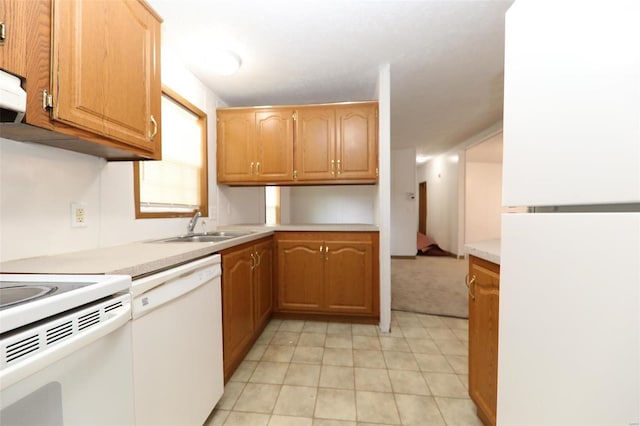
209	237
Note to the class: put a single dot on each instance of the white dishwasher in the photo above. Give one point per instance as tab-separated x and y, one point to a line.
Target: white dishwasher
177	344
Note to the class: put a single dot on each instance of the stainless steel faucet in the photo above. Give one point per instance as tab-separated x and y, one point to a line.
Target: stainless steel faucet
192	223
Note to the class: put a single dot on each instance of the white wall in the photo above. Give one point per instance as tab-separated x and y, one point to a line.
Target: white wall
483	201
332	204
404	203
38	184
241	205
441	175
382	209
445	177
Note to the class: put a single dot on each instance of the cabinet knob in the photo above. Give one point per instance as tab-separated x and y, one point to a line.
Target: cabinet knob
252	165
469	285
252	262
333	167
3	33
339	168
258	168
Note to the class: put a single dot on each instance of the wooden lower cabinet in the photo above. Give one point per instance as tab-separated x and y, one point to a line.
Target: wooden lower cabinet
484	296
327	273
247	300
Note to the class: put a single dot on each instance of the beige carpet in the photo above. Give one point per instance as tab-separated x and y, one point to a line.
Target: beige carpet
430	285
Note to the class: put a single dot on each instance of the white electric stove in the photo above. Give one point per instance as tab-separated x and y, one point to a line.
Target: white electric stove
65	350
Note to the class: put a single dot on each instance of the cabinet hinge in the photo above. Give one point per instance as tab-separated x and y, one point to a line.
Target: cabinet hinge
377	172
47	100
295	174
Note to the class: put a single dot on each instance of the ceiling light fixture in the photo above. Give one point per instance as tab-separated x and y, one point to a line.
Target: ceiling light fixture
224	62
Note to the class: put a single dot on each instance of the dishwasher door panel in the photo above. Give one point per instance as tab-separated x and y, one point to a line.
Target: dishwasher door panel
178	357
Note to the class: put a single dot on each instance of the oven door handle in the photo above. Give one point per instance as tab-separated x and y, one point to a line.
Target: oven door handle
14	373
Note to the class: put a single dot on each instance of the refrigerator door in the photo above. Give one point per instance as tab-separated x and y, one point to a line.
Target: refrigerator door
569	325
572	103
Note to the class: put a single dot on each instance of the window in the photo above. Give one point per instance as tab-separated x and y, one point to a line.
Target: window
177	185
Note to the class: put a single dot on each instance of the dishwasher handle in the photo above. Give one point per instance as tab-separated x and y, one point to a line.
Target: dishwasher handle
173	289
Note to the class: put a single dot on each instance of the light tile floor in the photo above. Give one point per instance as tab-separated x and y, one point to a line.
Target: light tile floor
311	373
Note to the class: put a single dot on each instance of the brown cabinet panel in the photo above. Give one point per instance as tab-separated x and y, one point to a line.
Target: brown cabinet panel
315	144
100	63
106	82
13	50
484	280
236	146
264	282
237	306
300	274
357	156
332	143
247	298
349	269
274	145
327	273
255	146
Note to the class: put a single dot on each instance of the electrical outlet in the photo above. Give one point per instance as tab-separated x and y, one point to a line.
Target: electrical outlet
78	215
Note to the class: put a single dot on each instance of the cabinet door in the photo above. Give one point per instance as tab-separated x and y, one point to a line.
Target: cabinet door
106	62
13	49
483	337
315	144
263	278
357	147
236	146
348	284
274	145
300	274
237	307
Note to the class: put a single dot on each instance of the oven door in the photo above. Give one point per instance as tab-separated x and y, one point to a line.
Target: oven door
85	379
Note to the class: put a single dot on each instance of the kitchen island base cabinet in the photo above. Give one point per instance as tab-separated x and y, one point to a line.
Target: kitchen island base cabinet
247	300
484	296
327	273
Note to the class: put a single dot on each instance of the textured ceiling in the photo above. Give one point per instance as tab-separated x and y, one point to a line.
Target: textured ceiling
446	57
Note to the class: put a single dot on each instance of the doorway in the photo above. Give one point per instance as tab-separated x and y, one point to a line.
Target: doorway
422	208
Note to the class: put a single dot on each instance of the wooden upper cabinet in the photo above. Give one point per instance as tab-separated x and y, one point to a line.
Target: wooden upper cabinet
357	142
236	145
91	73
337	143
311	144
255	146
274	146
13	47
315	144
105	77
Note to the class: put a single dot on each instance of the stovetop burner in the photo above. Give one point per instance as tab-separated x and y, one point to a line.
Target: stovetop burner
14	293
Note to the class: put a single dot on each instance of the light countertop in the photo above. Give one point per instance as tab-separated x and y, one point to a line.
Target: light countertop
140	258
487	250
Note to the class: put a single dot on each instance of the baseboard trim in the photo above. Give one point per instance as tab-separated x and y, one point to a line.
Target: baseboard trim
403	257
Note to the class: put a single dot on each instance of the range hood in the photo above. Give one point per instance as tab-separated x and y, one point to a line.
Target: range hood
13	99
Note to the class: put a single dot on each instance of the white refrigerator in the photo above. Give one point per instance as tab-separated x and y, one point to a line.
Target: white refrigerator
569	327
